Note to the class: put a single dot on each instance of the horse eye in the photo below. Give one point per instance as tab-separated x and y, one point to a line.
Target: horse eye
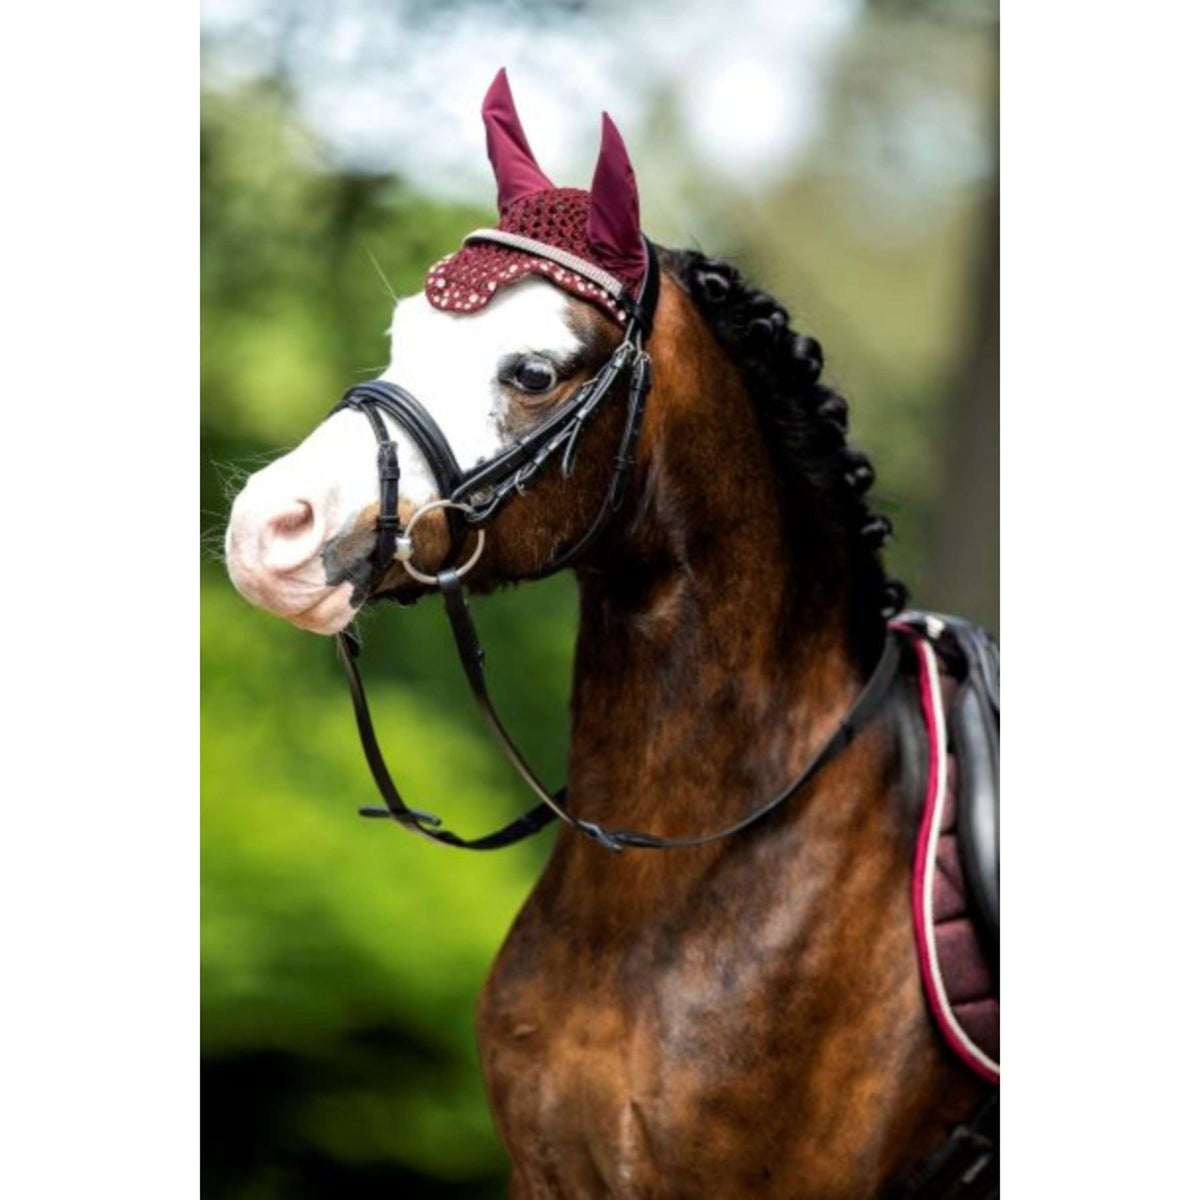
534	375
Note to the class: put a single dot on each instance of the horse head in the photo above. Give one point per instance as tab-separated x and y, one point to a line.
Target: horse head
500	340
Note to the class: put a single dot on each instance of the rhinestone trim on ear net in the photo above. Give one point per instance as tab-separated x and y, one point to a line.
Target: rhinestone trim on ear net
544	233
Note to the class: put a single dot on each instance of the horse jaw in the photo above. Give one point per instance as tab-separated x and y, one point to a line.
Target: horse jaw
317	505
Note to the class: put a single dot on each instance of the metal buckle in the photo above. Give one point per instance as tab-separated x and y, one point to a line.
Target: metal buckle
597	834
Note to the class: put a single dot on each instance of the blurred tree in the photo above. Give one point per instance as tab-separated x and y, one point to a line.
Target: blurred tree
964	574
965	566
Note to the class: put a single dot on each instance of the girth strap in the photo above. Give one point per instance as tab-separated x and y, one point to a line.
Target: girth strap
967	1164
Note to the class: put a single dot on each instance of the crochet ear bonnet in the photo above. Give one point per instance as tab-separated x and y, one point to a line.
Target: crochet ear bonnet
588	243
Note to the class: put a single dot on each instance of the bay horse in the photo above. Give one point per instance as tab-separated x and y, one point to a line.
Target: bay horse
741	1016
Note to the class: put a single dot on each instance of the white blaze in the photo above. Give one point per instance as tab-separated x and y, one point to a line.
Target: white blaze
450	363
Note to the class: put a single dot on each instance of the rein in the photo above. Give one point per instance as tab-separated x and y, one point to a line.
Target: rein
553	805
471	500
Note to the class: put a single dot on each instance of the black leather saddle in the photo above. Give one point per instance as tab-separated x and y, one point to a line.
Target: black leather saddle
972	657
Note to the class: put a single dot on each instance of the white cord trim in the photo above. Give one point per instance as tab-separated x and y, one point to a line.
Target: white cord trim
610	283
929	867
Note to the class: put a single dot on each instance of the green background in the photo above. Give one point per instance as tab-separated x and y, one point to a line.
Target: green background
341	958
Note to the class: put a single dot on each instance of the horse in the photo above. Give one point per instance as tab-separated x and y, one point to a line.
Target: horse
741	1015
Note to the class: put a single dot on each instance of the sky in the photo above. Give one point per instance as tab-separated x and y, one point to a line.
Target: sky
398	86
720	101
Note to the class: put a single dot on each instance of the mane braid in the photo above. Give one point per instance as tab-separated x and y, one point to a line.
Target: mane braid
822	479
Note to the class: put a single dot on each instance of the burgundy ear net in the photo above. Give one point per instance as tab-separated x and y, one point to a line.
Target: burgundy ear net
587	243
516	170
614	227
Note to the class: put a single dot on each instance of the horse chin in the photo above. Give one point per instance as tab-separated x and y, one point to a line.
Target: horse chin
330	614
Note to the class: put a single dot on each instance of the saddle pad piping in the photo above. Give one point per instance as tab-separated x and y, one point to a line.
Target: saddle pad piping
926	869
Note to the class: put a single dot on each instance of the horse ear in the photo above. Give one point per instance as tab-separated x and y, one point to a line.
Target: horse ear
614	226
516	170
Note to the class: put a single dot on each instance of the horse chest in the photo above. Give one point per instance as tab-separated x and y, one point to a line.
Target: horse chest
610	1080
689	1057
564	1085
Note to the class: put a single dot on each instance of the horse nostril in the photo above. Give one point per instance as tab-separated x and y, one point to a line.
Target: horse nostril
290	537
294	520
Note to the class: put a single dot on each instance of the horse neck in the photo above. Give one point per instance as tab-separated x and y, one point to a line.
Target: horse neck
710	662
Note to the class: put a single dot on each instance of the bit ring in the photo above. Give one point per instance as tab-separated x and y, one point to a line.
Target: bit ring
404	544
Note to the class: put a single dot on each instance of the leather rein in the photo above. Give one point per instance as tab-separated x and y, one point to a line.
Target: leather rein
471	500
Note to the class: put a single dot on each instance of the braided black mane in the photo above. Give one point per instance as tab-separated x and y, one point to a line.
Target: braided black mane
823	480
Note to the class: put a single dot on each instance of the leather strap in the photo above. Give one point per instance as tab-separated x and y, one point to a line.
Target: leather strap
411	415
553	804
415	419
413	819
388	467
967	1164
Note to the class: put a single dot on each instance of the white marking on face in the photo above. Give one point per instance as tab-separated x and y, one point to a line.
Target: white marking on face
289	511
449	361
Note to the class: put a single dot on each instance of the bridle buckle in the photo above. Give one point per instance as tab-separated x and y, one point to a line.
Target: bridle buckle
599	835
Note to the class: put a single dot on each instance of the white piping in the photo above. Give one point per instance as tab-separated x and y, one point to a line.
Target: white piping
929	866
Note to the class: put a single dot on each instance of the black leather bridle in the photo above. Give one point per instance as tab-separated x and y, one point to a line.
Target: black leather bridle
472	499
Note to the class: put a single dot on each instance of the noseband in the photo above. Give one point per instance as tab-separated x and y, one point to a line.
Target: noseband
471	500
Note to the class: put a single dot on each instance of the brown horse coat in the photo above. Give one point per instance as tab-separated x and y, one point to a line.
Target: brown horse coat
744	1018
